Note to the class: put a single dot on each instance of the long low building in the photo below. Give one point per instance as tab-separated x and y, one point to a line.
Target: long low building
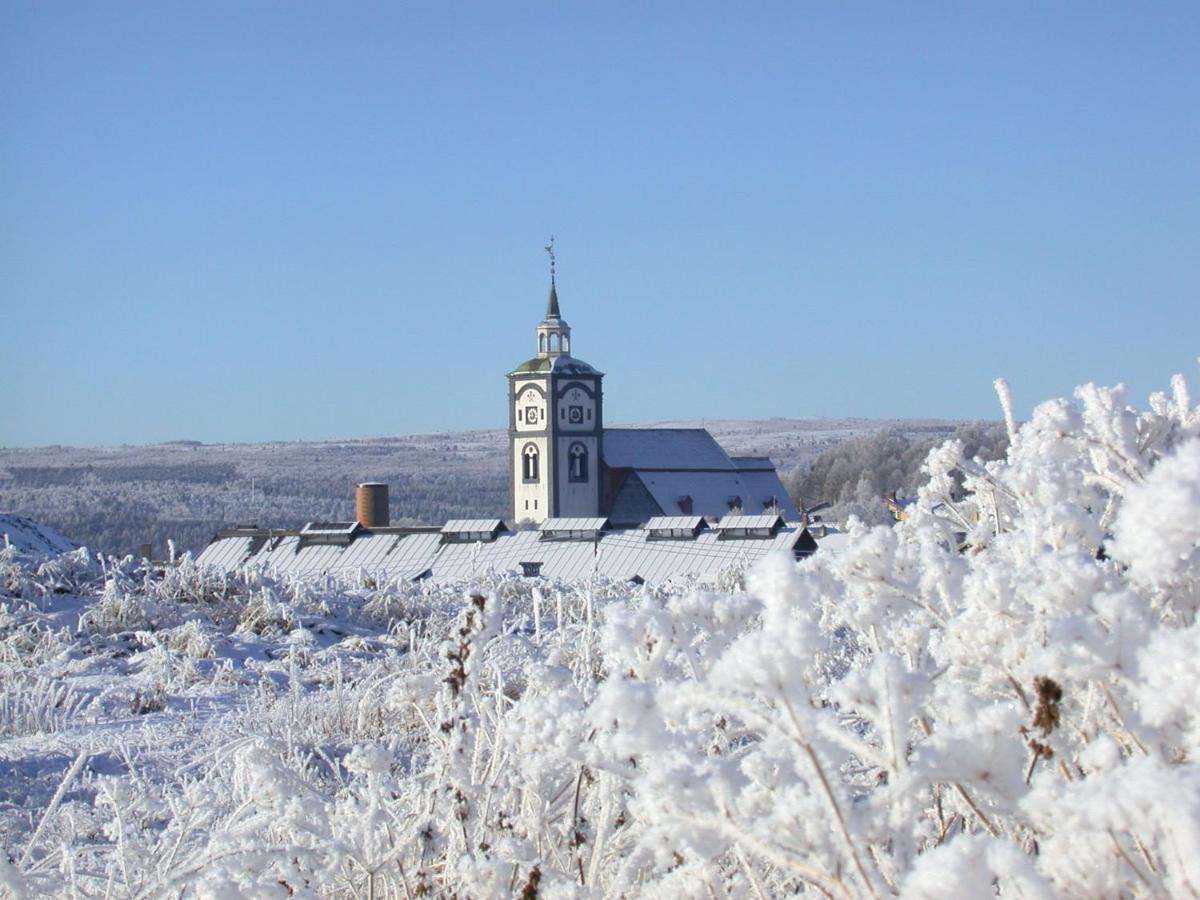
662	549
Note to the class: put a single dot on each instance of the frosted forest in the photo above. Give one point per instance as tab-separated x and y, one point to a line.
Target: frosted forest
994	697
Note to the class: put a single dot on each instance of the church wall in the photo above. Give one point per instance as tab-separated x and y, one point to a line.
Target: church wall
531	411
531	499
577	407
578	498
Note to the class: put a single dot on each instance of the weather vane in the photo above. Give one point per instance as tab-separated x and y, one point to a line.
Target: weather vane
550	249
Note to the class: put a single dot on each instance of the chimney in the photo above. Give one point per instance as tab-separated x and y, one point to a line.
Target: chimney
371	503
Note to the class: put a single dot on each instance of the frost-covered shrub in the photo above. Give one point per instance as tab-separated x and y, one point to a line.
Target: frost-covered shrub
994	698
264	614
37	705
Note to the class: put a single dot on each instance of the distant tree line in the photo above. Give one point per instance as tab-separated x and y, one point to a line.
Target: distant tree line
113	515
114	500
856	475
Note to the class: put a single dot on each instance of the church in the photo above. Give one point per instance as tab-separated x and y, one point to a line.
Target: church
565	464
642	505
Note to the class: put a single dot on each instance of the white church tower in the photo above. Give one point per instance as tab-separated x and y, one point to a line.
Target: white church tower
555	424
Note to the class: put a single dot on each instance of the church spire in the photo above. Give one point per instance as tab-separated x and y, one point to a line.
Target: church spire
554	335
552	306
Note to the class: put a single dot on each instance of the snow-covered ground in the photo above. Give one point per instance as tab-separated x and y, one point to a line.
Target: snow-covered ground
900	717
29	536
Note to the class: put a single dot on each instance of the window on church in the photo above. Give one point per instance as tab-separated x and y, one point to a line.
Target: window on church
530	463
541	343
566	344
578	463
554	343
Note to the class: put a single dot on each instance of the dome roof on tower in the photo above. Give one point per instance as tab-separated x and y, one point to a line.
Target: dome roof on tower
555	365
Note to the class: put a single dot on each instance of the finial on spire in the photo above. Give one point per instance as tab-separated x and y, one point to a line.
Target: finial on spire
550	249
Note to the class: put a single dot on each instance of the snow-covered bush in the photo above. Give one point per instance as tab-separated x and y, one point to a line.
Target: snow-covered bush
994	697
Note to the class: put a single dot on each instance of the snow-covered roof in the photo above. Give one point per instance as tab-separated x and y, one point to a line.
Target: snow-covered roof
573	524
747	523
664	448
572	527
717	493
329	528
675	523
472	526
753	463
396	553
681	464
29	536
555	365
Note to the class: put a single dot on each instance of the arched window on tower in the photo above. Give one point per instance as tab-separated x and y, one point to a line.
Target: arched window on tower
553	343
566	344
577	463
541	343
529	463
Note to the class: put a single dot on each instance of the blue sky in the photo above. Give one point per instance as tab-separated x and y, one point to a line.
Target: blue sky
235	221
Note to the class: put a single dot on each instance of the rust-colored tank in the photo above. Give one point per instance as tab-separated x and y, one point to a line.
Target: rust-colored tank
371	502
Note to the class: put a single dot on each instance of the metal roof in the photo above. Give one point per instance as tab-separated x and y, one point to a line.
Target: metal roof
473	526
731	523
225	552
576	524
558	365
675	523
329	528
712	492
753	463
673	449
389	555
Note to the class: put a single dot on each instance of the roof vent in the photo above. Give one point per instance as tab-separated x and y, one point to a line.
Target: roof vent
749	527
336	533
677	528
578	529
465	531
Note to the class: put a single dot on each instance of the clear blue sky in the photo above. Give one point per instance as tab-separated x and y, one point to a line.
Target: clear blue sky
249	221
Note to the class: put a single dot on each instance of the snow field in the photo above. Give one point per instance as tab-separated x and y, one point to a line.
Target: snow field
995	697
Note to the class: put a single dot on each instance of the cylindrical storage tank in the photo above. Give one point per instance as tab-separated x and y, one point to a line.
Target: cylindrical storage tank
372	505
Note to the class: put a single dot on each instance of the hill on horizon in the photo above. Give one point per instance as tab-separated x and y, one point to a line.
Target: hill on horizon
112	499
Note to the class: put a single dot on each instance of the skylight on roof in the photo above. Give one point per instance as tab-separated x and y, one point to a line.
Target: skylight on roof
662	527
580	528
313	528
749	526
465	530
